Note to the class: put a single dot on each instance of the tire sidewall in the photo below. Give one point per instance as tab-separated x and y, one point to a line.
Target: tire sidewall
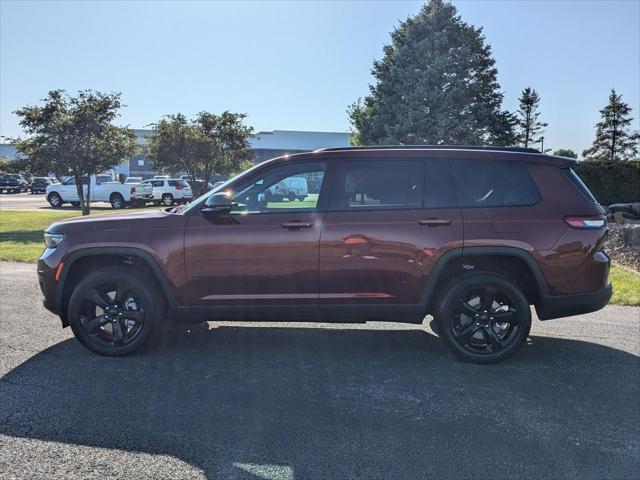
167	199
444	314
114	202
51	197
146	294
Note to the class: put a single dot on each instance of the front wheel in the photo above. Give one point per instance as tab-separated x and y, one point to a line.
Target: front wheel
167	199
55	200
483	318
112	311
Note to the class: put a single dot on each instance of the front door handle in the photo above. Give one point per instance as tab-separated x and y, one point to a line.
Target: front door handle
435	222
295	225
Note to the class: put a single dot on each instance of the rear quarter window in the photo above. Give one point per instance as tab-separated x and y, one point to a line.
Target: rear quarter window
178	183
493	183
579	184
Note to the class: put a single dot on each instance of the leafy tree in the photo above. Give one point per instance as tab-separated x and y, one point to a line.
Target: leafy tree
566	152
4	164
436	84
206	145
614	139
529	125
75	135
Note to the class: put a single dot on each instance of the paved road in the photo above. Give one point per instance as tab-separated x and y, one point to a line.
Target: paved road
288	402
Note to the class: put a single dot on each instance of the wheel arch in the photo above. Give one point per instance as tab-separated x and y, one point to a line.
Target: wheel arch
84	260
514	263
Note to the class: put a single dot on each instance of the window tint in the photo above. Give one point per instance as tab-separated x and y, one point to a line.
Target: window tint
157	183
579	184
439	191
491	183
178	183
288	187
102	179
380	184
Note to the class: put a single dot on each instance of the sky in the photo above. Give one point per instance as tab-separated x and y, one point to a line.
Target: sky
298	65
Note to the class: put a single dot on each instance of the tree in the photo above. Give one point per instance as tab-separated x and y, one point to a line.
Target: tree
565	152
614	139
436	84
75	135
203	146
529	125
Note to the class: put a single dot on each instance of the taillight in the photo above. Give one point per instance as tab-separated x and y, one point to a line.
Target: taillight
178	187
585	222
133	189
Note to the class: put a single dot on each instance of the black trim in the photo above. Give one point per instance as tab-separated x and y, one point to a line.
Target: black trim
345	313
557	306
120	251
442	262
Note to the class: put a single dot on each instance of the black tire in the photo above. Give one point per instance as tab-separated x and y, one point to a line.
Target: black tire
55	200
167	199
117	201
101	310
301	198
483	318
292	197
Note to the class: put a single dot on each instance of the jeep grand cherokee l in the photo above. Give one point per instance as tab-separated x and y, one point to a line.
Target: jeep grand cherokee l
472	236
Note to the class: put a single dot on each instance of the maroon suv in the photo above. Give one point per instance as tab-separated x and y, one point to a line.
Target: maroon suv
470	235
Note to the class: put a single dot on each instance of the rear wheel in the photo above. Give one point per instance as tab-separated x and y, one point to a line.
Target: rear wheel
117	201
55	200
113	311
483	318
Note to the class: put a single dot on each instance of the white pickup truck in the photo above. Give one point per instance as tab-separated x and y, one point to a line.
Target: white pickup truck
103	189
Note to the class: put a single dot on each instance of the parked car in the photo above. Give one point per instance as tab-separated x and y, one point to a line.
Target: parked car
293	188
170	191
103	189
40	184
13	183
472	236
133	180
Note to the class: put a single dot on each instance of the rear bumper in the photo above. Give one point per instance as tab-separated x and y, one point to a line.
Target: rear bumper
557	306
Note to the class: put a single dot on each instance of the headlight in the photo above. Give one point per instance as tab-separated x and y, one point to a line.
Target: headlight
52	240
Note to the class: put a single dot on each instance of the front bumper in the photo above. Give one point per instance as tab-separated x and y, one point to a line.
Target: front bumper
48	286
557	306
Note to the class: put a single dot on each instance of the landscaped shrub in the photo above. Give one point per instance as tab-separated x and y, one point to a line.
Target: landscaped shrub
611	182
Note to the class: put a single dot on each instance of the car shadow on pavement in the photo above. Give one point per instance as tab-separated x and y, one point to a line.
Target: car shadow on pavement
247	402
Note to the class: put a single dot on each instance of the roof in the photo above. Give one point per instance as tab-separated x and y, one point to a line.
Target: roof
462	152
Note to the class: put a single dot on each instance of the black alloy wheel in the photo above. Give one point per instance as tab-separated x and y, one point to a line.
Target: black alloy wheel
484	318
112	311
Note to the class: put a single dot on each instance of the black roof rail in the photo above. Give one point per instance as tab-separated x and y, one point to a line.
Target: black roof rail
434	147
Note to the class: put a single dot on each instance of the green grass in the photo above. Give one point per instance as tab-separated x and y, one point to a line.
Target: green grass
21	231
21	241
626	285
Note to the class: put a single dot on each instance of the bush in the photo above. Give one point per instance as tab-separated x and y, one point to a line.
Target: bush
611	182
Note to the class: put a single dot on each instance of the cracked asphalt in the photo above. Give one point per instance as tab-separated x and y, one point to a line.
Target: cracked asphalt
302	401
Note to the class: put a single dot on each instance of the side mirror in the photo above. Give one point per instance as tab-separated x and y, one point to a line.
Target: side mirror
217	204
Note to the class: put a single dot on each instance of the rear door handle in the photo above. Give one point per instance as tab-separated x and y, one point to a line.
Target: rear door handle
295	225
435	222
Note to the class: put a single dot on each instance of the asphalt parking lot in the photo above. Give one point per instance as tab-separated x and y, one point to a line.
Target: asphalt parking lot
289	402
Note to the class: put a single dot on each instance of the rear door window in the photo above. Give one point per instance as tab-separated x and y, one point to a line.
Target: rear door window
178	183
493	183
379	184
439	190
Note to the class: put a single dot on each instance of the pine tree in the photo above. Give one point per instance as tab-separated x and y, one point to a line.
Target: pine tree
614	139
529	125
436	84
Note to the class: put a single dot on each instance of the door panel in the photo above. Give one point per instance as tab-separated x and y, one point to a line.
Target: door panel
252	259
265	251
390	221
382	257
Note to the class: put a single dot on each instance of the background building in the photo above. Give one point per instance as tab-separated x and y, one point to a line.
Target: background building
265	145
